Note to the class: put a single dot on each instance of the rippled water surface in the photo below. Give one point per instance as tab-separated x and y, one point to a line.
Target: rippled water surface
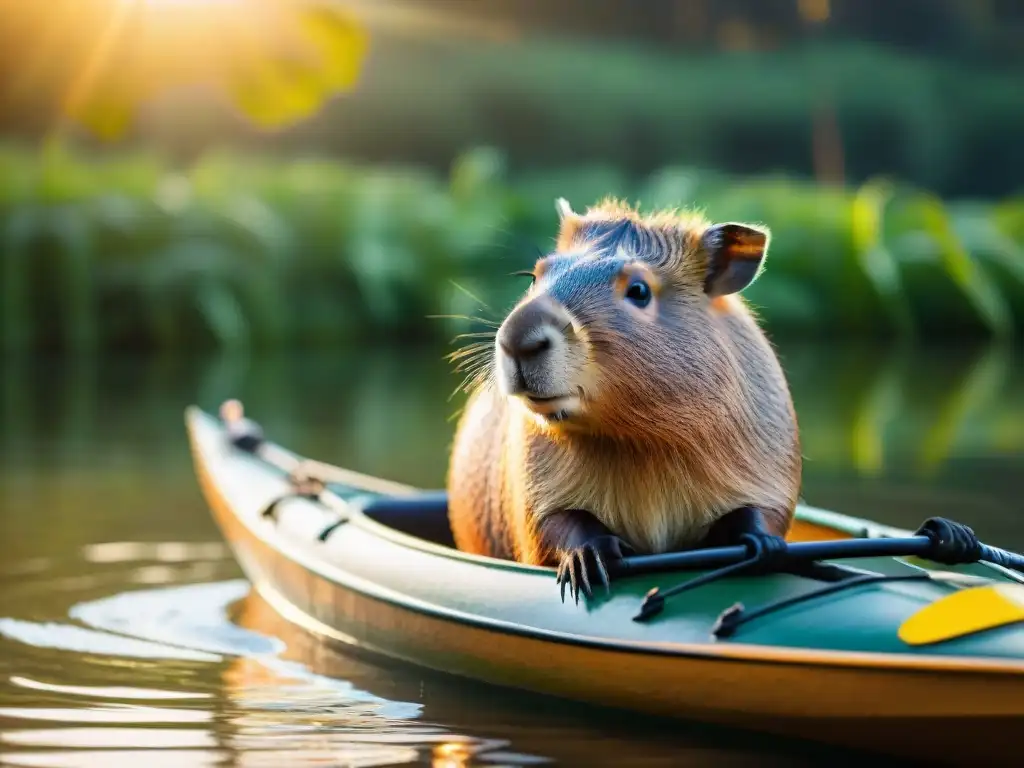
129	637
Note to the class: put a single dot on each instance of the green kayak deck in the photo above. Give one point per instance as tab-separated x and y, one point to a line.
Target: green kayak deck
376	569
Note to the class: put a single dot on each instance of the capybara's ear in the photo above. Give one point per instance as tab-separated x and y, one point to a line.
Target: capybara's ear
735	255
568	224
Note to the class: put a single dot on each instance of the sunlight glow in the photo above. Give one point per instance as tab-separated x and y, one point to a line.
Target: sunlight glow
176	2
274	62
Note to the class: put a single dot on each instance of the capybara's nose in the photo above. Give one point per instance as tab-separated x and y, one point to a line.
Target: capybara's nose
527	332
533	342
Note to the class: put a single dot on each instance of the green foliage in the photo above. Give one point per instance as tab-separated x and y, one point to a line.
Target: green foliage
247	251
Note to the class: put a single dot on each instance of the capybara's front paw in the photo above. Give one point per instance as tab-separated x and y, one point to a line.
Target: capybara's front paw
594	559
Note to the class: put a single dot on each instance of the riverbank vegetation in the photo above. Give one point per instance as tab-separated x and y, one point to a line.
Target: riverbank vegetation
248	251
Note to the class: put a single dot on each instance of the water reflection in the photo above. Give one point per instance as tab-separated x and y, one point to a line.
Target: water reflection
162	551
116	758
275	695
104	692
867	408
65	637
515	728
106	714
127	636
266	709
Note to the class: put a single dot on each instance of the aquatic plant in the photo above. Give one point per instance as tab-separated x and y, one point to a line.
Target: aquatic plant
237	252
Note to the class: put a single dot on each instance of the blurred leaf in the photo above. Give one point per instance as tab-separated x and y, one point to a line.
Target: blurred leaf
325	53
272	93
878	263
340	42
476	173
785	302
118	213
671	188
264	227
19	228
979	388
879	407
107	115
964	271
69	228
223	314
983	234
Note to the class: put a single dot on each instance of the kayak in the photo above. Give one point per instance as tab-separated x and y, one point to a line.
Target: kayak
892	653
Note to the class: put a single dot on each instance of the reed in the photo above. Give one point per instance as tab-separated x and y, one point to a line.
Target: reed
240	252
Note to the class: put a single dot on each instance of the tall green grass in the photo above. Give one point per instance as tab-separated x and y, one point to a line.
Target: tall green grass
249	251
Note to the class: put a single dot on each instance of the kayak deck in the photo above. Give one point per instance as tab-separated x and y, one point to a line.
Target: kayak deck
379	572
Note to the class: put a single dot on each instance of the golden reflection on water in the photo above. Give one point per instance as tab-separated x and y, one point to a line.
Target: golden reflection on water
116	758
111	738
107	714
450	755
314	722
104	692
161	551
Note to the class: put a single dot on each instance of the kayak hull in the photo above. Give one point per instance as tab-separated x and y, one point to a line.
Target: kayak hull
889	701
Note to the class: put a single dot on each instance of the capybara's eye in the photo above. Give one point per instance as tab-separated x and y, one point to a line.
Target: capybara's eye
639	293
526	273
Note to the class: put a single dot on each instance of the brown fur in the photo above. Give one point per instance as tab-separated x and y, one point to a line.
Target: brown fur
685	417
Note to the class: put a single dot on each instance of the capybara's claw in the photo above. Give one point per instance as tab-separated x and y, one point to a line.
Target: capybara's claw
563	574
576	565
584	575
571	571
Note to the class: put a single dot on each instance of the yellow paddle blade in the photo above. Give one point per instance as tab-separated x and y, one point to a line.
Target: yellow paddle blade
963	612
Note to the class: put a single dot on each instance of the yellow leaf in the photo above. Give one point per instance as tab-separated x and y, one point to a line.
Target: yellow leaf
341	43
274	91
273	94
107	121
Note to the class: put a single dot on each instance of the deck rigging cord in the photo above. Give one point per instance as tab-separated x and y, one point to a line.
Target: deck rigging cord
938	539
731	618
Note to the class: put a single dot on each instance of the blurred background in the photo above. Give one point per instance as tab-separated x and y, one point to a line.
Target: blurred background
304	204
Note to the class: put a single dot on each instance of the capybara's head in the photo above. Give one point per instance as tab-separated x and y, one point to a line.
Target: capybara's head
621	332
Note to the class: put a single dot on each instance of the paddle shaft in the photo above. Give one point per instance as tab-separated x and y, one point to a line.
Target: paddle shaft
715	557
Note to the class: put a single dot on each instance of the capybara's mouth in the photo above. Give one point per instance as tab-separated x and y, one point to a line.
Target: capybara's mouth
539	399
555	408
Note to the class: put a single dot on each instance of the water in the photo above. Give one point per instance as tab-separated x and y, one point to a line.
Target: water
127	633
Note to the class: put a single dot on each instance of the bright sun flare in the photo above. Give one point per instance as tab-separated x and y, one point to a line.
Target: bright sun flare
97	62
175	2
